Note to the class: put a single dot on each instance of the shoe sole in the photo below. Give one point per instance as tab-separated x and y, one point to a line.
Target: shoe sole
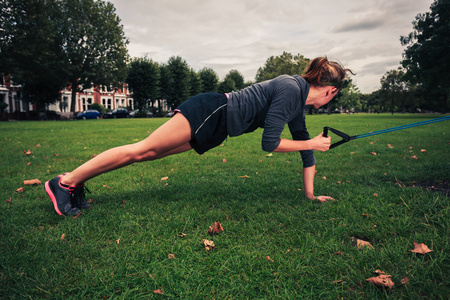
53	198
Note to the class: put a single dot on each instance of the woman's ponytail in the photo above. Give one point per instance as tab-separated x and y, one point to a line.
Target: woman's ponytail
322	72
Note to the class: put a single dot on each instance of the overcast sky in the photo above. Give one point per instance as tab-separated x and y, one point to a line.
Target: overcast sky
364	35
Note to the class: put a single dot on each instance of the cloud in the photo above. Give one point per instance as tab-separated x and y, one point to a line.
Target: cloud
361	23
242	34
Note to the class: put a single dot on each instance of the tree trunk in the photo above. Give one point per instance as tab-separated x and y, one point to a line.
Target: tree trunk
444	103
73	101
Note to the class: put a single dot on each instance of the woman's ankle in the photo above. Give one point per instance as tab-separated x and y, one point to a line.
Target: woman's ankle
67	180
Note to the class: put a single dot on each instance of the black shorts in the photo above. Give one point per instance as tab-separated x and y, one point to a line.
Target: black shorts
207	115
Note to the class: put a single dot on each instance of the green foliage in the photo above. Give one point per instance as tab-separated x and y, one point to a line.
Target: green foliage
286	63
119	248
238	79
394	90
195	83
349	99
47	44
99	107
30	49
143	81
94	44
227	85
179	89
210	80
427	55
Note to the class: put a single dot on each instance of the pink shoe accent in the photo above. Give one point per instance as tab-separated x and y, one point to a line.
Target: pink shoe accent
52	197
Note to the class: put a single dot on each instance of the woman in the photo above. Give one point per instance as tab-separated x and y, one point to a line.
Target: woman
204	122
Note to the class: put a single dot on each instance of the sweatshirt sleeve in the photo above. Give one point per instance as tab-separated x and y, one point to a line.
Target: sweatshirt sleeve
278	115
299	133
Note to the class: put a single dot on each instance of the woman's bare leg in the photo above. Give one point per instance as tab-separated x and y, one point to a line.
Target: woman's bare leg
171	138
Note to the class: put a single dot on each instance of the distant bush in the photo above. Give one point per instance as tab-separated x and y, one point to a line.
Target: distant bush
98	107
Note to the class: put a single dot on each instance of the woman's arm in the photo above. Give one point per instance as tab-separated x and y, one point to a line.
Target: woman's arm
308	185
319	143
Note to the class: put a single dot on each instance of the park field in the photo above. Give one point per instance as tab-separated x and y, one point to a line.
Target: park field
143	236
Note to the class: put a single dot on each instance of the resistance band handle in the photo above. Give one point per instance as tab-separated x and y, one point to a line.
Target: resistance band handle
345	137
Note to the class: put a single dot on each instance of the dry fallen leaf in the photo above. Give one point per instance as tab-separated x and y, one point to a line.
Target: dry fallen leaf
324	178
31	182
361	244
337	253
27	152
245	176
171	256
405	280
164	178
118	241
373	153
158	291
216	228
420	248
20	190
382	281
224	160
390	146
423	150
208	244
106	186
9	200
63	236
414	157
268	258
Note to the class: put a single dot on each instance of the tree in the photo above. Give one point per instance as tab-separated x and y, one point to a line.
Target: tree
47	45
238	79
227	85
393	89
286	63
350	98
30	49
427	54
179	78
143	81
99	107
210	80
94	44
195	83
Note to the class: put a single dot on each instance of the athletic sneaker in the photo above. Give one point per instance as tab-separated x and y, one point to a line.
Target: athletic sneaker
80	197
63	198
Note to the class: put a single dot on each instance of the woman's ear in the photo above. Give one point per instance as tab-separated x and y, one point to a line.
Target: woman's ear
331	91
334	91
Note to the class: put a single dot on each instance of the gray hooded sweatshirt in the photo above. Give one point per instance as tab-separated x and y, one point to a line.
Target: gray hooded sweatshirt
271	105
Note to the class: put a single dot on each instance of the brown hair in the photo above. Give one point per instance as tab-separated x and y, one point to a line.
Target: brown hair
322	72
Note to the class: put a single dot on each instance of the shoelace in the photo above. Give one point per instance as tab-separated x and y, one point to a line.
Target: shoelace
78	195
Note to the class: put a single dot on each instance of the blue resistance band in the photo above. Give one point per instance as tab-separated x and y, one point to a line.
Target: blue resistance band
346	137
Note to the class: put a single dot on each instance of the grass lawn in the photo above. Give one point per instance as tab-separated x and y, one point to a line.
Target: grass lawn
275	243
